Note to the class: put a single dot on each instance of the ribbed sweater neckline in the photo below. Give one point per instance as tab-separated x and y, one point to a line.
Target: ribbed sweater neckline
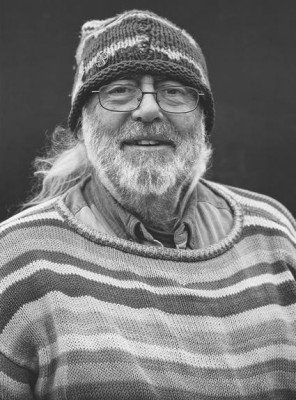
160	252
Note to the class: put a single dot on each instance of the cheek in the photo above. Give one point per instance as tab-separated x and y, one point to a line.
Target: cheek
97	116
185	123
112	121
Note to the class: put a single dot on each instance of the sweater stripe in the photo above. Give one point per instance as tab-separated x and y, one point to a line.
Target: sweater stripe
258	221
182	305
220	273
10	230
272	208
111	358
145	392
45	216
164	378
246	195
208	326
18	388
33	268
150	351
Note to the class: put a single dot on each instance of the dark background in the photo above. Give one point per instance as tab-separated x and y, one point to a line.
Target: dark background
250	50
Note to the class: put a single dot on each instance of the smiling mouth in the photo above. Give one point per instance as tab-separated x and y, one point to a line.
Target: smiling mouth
148	143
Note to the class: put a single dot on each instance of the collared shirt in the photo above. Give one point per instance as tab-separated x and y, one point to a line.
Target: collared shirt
207	217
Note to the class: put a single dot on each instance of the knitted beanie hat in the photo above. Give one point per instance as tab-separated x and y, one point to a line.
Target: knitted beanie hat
137	42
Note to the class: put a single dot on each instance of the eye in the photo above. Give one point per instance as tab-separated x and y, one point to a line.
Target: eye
173	91
117	90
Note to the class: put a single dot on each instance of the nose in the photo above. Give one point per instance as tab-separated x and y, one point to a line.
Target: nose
148	110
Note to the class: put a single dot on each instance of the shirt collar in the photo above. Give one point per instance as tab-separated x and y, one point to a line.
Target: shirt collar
189	232
121	221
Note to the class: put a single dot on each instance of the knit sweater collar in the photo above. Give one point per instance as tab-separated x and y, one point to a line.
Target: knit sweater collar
207	218
202	253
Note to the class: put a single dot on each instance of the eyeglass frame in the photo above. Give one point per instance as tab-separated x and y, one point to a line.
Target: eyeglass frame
154	93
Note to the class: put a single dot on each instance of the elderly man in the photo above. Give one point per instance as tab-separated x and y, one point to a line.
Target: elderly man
131	276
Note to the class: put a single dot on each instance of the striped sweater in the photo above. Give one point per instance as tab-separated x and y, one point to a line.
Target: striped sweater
90	316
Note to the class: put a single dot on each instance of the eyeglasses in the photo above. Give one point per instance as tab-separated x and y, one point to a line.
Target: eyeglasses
171	99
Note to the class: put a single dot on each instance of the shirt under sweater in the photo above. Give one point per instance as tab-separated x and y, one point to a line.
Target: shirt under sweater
206	219
87	315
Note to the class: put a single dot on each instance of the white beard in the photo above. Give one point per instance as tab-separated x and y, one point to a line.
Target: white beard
145	173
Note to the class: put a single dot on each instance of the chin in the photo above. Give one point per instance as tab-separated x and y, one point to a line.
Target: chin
145	181
148	188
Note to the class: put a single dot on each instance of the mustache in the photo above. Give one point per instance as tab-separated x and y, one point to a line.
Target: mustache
164	130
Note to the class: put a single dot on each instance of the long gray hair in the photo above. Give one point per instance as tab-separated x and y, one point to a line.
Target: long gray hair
62	167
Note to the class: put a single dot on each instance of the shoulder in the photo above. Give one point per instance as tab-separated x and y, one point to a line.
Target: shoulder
30	224
33	215
258	208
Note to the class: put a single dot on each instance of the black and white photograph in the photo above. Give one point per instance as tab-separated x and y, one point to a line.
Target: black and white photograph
147	206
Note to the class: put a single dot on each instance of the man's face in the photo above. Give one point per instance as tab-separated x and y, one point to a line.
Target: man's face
145	151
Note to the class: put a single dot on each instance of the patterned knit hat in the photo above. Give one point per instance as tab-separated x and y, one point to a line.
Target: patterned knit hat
137	42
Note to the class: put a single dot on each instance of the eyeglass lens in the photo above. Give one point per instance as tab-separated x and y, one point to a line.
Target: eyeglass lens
118	97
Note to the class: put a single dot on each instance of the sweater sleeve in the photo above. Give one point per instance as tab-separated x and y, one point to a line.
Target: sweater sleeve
16	382
18	350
